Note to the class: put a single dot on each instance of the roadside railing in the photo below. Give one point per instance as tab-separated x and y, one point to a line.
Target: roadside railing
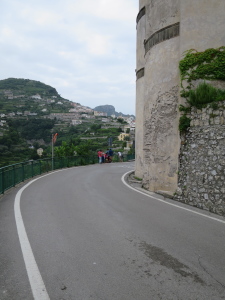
14	174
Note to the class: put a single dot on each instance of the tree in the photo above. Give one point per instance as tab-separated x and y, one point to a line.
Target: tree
84	149
95	127
122	121
65	149
127	138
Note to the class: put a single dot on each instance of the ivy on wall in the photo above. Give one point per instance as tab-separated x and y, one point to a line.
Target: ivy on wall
208	65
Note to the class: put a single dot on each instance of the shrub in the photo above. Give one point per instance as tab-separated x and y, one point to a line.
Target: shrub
184	123
202	95
185	109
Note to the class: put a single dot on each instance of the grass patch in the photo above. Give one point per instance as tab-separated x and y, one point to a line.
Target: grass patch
205	94
184	123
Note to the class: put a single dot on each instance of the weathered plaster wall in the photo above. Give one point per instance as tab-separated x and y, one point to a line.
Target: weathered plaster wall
139	160
142	3
202	161
140	90
202	24
157	93
161	13
161	137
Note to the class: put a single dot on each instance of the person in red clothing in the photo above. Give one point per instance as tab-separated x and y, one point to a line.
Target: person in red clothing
100	156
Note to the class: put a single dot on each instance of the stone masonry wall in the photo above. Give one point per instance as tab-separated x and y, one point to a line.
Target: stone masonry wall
202	161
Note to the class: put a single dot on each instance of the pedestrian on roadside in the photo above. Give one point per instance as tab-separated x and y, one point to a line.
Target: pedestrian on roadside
120	155
100	156
110	155
103	156
107	156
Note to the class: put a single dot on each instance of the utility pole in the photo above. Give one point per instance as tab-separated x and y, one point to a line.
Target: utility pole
52	153
110	142
54	137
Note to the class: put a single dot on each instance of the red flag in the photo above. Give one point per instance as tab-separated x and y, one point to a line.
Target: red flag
54	137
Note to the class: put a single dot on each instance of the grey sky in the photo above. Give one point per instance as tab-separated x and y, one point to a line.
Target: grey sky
84	48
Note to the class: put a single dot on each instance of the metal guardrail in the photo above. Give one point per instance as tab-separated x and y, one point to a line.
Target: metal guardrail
12	175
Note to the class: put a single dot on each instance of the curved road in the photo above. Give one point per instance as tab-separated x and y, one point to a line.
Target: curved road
85	235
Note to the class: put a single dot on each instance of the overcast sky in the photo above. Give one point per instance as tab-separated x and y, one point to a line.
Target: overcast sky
84	48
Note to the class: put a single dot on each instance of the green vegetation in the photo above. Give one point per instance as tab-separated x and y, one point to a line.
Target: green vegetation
71	140
16	96
206	65
33	128
204	94
27	87
13	143
184	123
27	125
120	120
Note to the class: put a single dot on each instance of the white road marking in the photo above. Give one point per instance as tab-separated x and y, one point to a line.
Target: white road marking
36	282
37	285
175	205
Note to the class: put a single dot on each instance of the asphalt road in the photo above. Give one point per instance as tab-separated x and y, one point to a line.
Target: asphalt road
87	235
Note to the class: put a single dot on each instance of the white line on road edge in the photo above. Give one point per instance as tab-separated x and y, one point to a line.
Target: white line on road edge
192	211
36	282
37	285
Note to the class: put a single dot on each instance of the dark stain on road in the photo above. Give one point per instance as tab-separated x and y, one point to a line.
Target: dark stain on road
160	256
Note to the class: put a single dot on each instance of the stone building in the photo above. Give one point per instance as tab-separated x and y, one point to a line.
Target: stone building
165	29
40	151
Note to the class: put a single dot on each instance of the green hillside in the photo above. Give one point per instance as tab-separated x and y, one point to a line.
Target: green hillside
19	95
27	87
26	123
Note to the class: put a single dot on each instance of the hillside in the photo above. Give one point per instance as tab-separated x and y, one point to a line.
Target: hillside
30	111
27	87
20	95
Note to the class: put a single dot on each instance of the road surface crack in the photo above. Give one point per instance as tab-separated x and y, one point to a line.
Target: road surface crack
209	273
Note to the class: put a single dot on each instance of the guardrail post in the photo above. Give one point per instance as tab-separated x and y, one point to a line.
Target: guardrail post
22	172
3	182
14	176
32	169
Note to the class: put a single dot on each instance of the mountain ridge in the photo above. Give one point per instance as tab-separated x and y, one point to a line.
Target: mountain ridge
110	110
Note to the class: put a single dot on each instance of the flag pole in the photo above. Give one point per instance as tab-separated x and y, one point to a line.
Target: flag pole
54	137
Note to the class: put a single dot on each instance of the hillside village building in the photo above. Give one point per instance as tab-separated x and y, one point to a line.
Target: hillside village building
37	96
40	151
99	114
122	136
165	30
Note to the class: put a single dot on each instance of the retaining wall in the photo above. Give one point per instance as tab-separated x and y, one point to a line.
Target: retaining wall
202	161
